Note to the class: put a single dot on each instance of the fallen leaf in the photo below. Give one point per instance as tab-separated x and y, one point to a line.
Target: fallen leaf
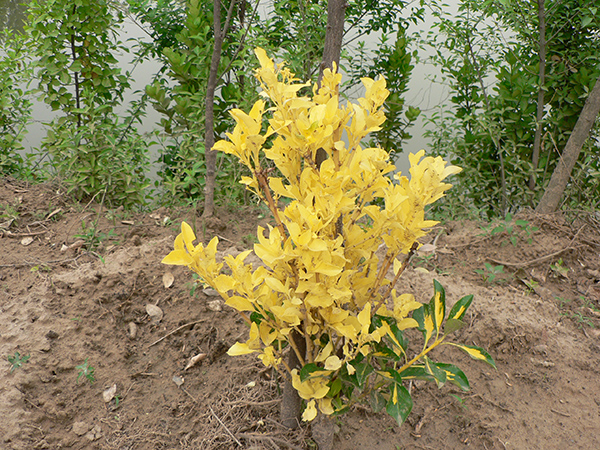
178	380
421	270
155	312
195	360
426	248
168	279
26	240
109	393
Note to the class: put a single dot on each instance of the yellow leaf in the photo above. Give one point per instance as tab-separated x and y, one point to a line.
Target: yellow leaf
178	258
439	310
324	353
364	318
240	303
325	406
275	284
333	363
240	349
188	236
310	412
428	327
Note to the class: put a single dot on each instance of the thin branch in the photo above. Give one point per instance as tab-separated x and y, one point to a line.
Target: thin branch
176	330
226	429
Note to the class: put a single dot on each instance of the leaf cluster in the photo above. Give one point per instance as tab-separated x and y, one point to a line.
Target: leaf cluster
322	290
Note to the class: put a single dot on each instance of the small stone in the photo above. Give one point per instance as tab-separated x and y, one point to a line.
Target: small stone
215	305
133	330
80	428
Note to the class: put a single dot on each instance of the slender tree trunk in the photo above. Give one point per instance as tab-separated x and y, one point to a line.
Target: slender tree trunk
291	406
211	86
332	49
76	74
322	427
551	199
540	101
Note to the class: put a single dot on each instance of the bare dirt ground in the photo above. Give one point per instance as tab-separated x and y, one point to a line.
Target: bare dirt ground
61	304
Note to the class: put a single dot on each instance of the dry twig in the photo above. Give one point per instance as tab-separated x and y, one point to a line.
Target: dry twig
176	330
226	429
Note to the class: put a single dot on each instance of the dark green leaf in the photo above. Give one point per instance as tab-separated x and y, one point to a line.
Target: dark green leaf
335	388
377	401
432	369
437	306
453	325
413	373
476	353
460	307
308	369
455	376
400	403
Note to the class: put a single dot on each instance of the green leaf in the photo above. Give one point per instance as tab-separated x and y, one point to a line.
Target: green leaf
363	370
335	388
400	403
308	370
432	369
413	373
476	353
453	325
460	308
438	305
377	401
419	316
455	376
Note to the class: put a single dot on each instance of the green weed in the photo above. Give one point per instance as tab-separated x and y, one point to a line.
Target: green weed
559	269
514	230
17	361
87	371
92	237
490	273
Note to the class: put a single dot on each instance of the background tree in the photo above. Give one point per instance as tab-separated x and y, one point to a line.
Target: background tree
551	199
15	103
180	91
492	131
74	45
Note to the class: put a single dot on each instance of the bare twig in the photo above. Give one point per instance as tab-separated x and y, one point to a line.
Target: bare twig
176	330
226	429
560	413
533	261
20	235
266	437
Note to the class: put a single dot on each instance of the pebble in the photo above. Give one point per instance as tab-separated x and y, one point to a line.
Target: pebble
133	329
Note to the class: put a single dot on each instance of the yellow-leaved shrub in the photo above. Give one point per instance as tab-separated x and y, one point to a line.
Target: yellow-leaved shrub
322	278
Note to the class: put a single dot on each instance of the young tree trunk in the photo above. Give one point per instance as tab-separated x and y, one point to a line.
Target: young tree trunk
291	404
211	86
537	142
332	48
551	199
